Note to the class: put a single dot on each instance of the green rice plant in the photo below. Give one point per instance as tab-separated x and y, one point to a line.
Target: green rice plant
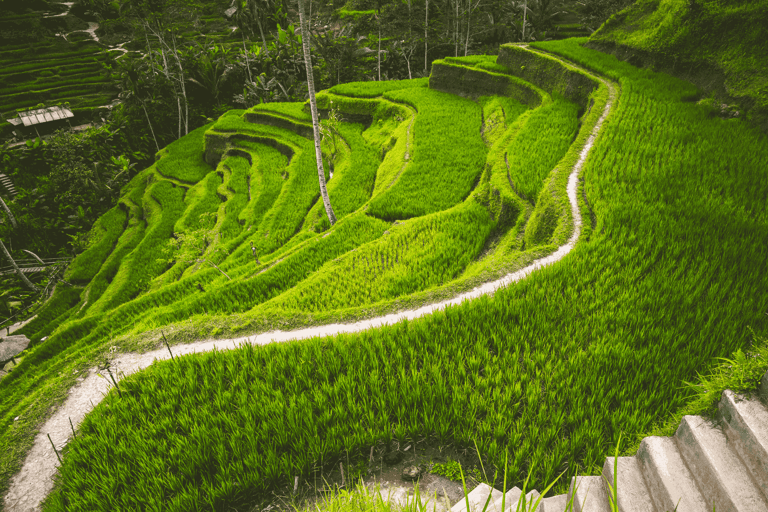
50	93
62	300
375	89
543	141
350	105
184	161
83	53
265	181
238	184
201	198
353	179
128	240
473	60
399	142
498	114
103	238
164	203
413	256
291	110
297	195
244	294
448	156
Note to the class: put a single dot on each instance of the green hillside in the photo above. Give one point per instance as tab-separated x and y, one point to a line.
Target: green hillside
720	46
439	185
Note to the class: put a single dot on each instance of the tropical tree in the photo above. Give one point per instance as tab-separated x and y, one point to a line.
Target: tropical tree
250	11
313	108
133	86
213	70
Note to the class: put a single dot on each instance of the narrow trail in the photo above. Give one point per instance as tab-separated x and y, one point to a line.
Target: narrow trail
35	480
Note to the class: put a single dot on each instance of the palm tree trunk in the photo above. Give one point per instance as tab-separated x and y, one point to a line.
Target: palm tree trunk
183	87
525	12
313	108
18	270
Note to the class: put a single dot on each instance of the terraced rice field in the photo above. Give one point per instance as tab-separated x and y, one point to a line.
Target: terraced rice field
66	67
438	185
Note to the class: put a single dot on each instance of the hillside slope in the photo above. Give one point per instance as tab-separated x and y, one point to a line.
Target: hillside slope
667	273
720	46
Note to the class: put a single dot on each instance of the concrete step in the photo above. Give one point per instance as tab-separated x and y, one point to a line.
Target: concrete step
722	477
477	498
669	480
633	494
6	183
746	428
589	494
554	504
514	500
699	468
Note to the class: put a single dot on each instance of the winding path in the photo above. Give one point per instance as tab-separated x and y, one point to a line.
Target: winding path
35	480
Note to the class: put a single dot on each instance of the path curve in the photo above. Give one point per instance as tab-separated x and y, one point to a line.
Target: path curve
35	480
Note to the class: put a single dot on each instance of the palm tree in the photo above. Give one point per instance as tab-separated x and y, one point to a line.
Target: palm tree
313	108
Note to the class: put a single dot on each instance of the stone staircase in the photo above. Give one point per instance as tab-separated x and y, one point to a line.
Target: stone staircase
702	466
7	184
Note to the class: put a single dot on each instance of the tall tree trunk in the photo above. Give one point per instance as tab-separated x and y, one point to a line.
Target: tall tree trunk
247	63
378	23
183	86
313	108
525	12
426	26
469	19
163	45
149	52
409	20
456	31
261	31
18	270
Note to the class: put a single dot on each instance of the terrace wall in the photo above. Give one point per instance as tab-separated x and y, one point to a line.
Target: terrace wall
548	73
217	143
279	122
473	82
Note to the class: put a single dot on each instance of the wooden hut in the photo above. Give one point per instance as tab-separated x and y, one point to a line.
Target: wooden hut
47	119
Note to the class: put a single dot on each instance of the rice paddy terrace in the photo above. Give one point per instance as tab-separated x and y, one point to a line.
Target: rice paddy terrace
439	185
50	69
